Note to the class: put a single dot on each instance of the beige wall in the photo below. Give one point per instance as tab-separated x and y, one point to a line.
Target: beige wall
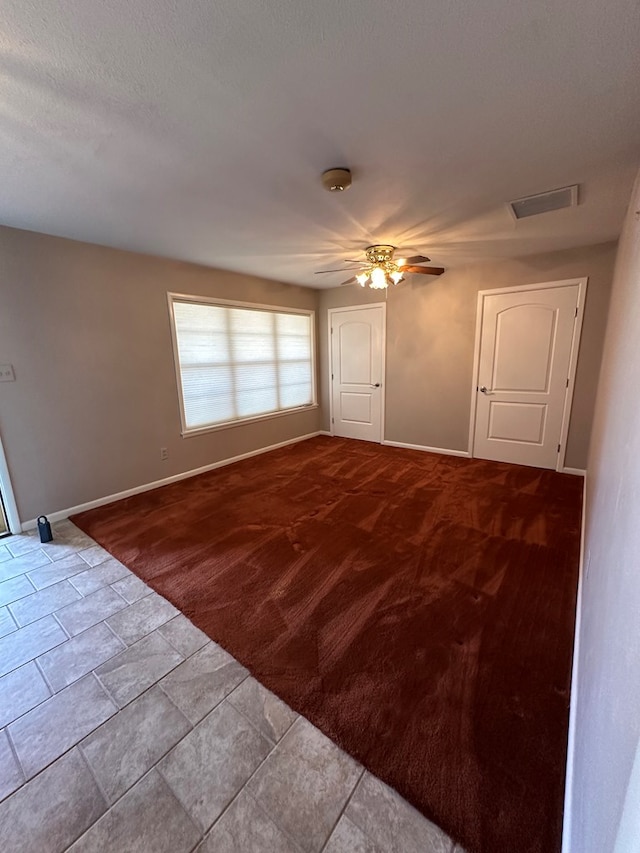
95	398
87	330
603	808
430	339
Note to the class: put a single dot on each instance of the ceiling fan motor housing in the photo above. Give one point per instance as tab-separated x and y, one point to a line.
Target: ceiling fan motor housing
336	180
380	254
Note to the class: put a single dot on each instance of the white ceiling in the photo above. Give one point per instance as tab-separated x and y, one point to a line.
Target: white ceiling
198	129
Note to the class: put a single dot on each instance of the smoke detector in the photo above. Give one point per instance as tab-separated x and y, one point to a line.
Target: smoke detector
336	180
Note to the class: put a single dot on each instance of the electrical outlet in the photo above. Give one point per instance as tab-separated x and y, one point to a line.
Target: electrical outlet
6	373
164	454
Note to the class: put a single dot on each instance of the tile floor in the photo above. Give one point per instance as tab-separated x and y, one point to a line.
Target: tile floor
124	728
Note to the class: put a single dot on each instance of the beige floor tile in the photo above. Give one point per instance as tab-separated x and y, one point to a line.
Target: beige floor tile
11	776
20	691
142	618
59	550
130	673
21	565
103	574
43	602
391	822
268	713
203	681
210	765
7	623
49	573
131	588
50	729
304	784
124	748
22	543
94	555
347	838
16	588
47	814
148	819
77	617
183	635
71	660
245	828
25	644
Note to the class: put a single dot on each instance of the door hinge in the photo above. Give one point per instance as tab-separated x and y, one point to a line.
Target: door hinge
332	420
558	448
567	385
332	330
576	314
332	378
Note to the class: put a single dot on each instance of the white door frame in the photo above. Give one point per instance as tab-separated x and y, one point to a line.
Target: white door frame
573	361
330	313
10	507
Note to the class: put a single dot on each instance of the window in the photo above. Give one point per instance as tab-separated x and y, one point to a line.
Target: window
236	362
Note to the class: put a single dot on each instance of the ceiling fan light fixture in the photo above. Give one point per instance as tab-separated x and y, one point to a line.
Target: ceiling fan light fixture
379	279
380	271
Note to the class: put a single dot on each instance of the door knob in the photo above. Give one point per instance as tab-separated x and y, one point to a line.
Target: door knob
377	385
484	390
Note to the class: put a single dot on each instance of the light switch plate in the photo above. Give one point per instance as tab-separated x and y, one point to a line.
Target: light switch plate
6	373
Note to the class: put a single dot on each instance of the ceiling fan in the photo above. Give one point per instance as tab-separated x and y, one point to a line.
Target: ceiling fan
379	270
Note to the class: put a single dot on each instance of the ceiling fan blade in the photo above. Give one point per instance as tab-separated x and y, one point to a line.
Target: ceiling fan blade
417	259
351	280
340	269
423	270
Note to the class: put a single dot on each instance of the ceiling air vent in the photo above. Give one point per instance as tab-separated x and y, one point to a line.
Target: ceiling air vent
532	205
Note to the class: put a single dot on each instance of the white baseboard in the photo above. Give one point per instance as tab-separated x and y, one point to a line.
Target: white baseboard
324	432
445	451
579	472
147	487
573	702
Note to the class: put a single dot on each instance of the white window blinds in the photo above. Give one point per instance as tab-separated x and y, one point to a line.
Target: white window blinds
236	363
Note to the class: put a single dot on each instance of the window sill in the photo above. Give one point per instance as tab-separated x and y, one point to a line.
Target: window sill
190	433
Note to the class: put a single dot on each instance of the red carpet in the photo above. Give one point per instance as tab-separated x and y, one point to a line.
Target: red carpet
417	608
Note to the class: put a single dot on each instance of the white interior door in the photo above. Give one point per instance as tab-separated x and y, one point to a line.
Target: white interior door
357	372
524	381
11	516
